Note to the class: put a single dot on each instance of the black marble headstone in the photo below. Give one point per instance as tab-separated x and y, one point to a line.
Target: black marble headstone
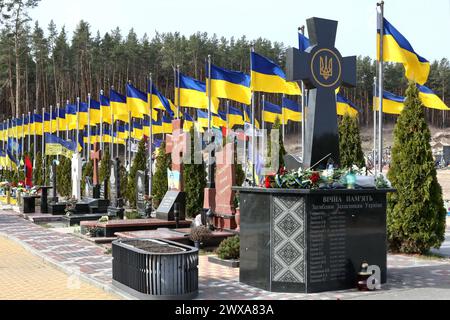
323	70
166	210
54	198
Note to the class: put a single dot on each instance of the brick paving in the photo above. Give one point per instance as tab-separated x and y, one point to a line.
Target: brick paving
407	274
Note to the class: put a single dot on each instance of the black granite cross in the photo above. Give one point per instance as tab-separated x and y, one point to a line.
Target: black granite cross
323	70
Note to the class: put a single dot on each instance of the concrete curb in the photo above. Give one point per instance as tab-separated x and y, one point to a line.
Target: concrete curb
69	271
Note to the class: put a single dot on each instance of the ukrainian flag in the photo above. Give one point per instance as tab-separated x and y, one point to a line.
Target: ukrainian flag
235	117
248	116
19	128
269	77
105	108
11	159
83	114
26	129
119	106
54	121
157	127
188	123
220	120
137	102
94	135
217	120
62	122
3	159
272	112
167	125
37	120
392	104
159	102
304	42
193	94
121	132
71	116
107	138
291	111
397	49
47	122
95	113
138	131
345	106
230	85
430	99
202	119
55	146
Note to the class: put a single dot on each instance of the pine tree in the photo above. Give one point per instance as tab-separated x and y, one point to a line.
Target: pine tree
63	171
37	173
139	164
416	215
160	183
350	143
194	184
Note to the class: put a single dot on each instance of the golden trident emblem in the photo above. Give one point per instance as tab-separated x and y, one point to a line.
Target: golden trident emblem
326	67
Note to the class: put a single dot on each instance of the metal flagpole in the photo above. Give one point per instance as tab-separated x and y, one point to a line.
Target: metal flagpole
34	147
150	143
374	157
178	93
7	137
253	130
23	132
89	128
381	87
77	138
29	132
284	120
304	96
67	123
228	115
111	129
57	118
118	144
101	120
129	139
43	143
210	165
263	123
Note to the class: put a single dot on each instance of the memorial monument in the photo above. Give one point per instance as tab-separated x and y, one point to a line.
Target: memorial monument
314	240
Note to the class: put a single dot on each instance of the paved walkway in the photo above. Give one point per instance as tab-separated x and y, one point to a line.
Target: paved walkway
23	276
409	276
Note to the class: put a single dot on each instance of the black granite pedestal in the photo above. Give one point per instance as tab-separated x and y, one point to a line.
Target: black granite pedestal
29	204
308	241
57	208
44	199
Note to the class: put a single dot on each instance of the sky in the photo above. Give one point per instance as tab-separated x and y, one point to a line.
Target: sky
425	23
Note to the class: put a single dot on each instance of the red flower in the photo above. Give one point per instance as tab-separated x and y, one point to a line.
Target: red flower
268	182
315	177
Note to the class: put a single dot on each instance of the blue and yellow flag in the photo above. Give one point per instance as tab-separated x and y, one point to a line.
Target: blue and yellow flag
292	111
83	114
11	159
37	124
71	116
188	123
346	106
95	112
397	49
230	85
62	122
267	76
47	122
105	108
272	112
167	125
430	99
159	102
248	116
138	130
193	94
3	159
55	146
392	104
137	102
157	127
121	132
119	106
235	117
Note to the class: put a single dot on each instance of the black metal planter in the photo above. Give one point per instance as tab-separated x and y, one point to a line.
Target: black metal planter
155	276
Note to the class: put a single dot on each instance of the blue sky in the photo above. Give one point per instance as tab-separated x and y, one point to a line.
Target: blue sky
426	24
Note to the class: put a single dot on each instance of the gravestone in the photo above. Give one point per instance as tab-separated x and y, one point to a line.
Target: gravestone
76	176
176	145
54	198
104	190
141	191
446	154
88	188
96	156
116	207
225	212
323	70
